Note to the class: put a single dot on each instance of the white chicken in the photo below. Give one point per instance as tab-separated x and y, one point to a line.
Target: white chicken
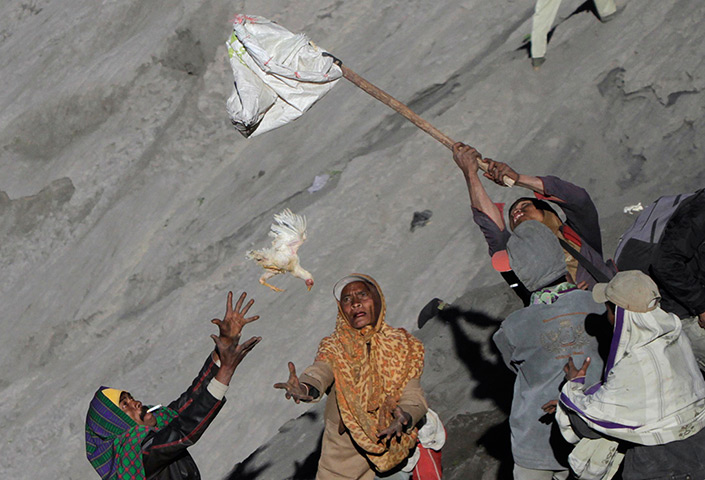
288	232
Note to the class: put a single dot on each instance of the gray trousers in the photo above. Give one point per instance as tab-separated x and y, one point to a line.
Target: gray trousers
544	15
521	473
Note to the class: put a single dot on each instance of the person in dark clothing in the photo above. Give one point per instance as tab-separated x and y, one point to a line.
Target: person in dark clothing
579	235
679	270
125	440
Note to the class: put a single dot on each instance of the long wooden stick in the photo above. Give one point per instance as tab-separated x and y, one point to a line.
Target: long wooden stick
407	113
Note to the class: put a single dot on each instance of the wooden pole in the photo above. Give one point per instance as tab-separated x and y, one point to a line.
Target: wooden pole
407	113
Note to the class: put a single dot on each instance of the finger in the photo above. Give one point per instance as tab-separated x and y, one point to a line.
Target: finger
216	321
251	319
238	305
249	345
218	343
252	342
280	385
571	365
292	369
247	307
586	364
229	304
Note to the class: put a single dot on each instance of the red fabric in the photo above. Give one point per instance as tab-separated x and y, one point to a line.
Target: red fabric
429	465
571	236
551	198
500	261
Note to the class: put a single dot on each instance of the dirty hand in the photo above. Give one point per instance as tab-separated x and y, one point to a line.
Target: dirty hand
571	372
294	389
231	325
231	354
550	407
496	171
466	157
701	320
401	420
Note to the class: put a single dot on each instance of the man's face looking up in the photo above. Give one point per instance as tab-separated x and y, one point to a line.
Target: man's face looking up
357	300
523	211
136	411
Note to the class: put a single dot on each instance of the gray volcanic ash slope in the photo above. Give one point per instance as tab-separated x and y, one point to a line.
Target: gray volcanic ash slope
128	201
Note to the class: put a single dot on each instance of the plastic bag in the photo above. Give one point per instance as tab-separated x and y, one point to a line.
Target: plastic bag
278	75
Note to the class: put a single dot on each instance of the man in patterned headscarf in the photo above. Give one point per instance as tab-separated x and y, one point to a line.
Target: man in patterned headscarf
372	372
127	441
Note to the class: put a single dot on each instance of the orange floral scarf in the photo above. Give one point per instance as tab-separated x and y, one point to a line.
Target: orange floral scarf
371	367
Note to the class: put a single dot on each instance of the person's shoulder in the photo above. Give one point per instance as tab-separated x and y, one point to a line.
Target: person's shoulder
581	299
328	343
692	208
400	333
522	315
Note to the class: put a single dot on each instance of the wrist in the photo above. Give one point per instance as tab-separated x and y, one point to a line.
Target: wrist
471	177
225	373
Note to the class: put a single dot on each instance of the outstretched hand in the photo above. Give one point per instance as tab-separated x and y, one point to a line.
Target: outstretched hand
231	325
572	372
394	430
294	389
231	354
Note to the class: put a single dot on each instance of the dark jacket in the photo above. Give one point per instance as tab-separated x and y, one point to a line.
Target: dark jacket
679	460
164	452
679	261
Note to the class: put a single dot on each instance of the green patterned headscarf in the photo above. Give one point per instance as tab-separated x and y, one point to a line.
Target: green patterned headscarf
114	440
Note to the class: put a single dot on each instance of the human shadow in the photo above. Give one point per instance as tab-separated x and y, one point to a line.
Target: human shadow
245	470
307	469
495	380
271	459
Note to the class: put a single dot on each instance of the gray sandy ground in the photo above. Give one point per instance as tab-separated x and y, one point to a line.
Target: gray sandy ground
128	201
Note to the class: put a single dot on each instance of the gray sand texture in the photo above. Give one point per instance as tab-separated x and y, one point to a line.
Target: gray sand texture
128	201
